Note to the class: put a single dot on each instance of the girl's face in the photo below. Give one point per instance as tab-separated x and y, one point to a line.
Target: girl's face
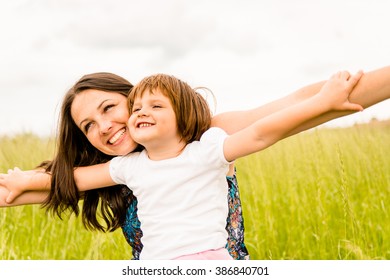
102	116
153	122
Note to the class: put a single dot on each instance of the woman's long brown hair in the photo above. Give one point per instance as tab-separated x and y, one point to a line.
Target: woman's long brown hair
74	150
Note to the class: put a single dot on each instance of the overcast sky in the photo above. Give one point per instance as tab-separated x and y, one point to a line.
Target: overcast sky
248	52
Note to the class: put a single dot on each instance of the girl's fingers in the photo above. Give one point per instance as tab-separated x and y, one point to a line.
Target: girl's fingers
12	170
345	75
356	77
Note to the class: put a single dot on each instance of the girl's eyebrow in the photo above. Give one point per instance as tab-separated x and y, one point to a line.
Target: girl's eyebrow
98	108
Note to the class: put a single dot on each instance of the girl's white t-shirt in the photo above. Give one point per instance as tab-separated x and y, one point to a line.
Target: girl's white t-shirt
182	201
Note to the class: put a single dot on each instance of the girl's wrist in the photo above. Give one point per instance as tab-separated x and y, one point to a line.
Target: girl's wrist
321	104
37	181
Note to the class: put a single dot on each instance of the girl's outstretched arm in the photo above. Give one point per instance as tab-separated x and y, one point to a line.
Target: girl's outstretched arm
372	88
93	177
334	95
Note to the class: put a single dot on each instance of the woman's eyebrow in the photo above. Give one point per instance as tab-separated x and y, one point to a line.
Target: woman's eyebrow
98	108
102	103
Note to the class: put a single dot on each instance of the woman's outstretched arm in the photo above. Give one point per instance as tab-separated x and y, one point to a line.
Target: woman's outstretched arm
372	88
31	197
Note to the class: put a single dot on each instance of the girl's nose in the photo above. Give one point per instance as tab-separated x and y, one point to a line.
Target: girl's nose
142	112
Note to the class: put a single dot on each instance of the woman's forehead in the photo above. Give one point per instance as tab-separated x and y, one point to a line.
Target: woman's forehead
88	102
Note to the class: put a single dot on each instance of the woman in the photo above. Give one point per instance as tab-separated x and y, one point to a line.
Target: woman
373	87
103	136
179	176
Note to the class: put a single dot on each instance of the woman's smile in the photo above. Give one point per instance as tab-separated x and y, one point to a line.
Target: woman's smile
117	136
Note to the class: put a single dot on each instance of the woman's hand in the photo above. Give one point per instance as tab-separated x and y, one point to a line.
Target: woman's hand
4	192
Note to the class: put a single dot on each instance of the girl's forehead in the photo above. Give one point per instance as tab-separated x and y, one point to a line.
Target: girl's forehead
151	93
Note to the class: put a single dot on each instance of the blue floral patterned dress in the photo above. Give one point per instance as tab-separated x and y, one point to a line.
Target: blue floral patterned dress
234	223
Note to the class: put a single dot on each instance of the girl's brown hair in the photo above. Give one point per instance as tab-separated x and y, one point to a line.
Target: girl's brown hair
193	114
74	150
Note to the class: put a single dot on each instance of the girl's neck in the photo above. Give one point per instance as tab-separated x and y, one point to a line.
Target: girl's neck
165	152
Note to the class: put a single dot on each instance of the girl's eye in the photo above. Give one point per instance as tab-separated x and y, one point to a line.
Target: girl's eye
157	106
135	110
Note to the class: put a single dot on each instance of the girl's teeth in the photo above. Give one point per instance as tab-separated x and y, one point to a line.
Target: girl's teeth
144	125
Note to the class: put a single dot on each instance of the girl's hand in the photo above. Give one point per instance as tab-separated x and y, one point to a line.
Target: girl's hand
16	181
335	92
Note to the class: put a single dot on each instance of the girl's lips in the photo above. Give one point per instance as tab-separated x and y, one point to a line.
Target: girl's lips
117	136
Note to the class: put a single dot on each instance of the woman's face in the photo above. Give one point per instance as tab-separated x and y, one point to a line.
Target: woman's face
102	116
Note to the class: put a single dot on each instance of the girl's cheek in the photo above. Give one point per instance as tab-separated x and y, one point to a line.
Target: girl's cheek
131	122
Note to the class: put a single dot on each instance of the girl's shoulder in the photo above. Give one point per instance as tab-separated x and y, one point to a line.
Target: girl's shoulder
213	132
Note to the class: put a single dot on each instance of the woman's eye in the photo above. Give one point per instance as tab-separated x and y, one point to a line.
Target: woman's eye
87	127
108	107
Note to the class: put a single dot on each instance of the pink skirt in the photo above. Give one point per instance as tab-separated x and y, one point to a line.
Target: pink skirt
217	254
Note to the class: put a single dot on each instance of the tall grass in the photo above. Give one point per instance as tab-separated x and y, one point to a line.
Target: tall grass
27	232
320	195
323	194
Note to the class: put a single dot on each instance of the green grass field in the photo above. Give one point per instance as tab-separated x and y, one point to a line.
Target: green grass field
323	194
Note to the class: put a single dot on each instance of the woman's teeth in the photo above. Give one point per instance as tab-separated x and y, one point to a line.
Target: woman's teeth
117	136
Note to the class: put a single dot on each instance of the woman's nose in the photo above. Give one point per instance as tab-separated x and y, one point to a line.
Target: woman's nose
105	126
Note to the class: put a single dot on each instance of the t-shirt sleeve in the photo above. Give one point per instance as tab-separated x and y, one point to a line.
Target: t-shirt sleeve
212	142
117	169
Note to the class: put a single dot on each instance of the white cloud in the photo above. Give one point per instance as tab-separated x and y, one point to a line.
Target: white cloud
248	52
